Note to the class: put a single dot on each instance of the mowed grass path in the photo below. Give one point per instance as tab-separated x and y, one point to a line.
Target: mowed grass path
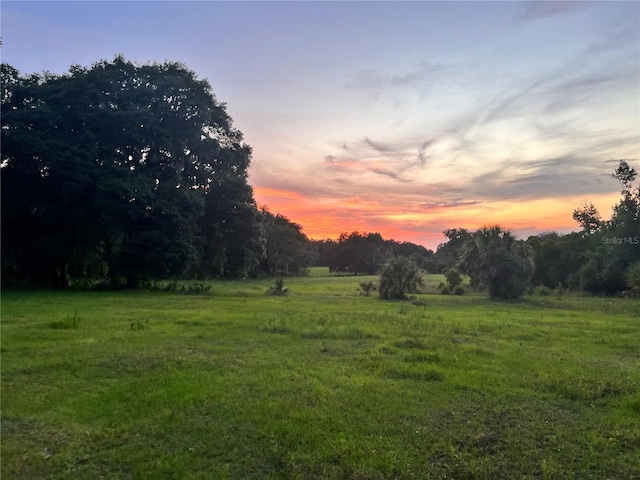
322	383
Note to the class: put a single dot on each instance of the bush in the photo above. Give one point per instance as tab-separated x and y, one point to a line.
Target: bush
67	323
445	290
195	288
542	291
453	276
633	276
278	288
458	290
366	288
398	277
496	260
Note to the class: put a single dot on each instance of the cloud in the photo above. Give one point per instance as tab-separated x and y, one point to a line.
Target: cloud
547	178
423	74
394	160
518	142
542	9
380	147
455	203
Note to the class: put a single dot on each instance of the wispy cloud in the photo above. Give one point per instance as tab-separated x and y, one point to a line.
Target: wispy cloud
455	203
465	143
423	74
542	9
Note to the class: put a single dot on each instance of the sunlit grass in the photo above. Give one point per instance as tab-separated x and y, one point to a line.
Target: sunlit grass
321	383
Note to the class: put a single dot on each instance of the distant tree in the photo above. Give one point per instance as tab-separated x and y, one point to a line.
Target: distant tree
495	259
453	277
558	258
614	244
360	253
588	218
448	253
418	254
327	254
288	250
231	225
399	276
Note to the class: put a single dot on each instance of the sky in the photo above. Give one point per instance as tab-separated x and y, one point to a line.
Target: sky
403	118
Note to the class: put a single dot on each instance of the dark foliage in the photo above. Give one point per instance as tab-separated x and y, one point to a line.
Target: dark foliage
399	276
288	250
496	260
364	253
124	172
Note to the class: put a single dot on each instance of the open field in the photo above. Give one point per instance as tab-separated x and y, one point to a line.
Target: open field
322	383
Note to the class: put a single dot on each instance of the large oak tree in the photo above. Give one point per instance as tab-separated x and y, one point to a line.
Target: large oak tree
114	171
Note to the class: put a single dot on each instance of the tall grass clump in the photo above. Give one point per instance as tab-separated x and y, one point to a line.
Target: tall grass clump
67	323
366	288
278	288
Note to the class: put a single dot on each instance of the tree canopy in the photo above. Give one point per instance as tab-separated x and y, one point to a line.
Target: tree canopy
123	171
495	259
611	246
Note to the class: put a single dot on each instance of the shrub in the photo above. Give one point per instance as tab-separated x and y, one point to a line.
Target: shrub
366	288
399	276
195	288
633	276
496	260
68	322
458	290
278	288
542	291
453	276
445	290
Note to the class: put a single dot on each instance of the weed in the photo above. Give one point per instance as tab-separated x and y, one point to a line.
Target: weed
278	288
67	323
195	288
275	326
366	288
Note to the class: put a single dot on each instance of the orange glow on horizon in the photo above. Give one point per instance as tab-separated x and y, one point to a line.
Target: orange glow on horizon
327	218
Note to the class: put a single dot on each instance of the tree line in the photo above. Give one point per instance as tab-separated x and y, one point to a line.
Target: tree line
121	173
603	258
125	173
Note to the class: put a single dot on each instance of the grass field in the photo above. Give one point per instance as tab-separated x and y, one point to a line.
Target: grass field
321	383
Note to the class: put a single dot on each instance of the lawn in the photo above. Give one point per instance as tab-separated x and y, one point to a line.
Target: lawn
321	383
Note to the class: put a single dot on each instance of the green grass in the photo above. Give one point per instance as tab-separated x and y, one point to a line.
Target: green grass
321	383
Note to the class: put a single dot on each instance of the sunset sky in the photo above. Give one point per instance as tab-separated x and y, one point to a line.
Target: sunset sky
403	118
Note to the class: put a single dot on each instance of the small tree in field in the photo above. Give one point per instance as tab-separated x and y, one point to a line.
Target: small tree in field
398	277
453	277
495	259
